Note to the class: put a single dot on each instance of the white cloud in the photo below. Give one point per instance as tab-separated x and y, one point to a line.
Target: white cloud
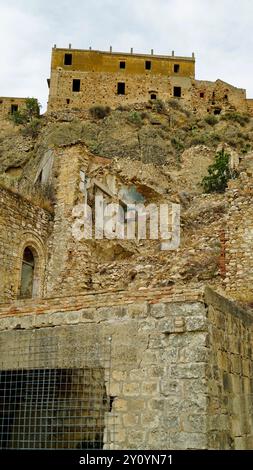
219	32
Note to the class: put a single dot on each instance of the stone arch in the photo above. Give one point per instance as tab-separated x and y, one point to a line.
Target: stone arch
31	272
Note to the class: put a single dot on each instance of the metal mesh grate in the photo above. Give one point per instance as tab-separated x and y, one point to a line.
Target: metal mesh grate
46	405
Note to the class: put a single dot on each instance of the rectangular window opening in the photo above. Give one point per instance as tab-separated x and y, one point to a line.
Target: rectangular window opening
121	88
76	85
148	64
177	92
202	94
153	96
68	59
14	108
176	68
122	64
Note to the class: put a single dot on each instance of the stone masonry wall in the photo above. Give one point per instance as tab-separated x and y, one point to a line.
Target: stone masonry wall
100	88
166	379
239	240
99	74
68	269
230	372
22	224
7	103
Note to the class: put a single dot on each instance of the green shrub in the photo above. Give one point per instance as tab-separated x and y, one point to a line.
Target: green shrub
218	174
17	118
214	138
32	128
246	148
28	117
242	119
25	115
211	120
99	112
135	118
177	144
159	106
174	104
200	139
32	108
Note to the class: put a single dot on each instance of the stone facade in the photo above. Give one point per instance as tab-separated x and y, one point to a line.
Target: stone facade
181	362
83	78
143	77
10	105
239	240
23	224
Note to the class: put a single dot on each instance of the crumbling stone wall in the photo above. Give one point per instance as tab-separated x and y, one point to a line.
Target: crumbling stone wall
217	97
239	240
68	268
166	378
22	224
99	74
9	105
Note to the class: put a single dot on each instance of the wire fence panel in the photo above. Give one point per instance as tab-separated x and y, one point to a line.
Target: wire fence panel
46	405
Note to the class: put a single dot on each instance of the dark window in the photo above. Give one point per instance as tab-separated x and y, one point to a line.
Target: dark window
68	100
217	111
27	274
121	88
76	84
68	59
177	91
176	68
202	94
122	64
14	108
148	65
153	96
225	97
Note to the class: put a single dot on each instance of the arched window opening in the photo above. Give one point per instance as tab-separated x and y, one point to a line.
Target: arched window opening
27	274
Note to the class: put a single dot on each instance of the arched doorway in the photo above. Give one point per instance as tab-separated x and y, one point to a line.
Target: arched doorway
27	274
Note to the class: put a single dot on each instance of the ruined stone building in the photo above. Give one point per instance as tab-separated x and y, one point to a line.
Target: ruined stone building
115	343
82	78
10	105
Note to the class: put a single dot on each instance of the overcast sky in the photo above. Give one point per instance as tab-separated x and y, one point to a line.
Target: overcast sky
218	31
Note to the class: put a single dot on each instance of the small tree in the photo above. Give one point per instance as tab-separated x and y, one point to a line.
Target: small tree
218	174
32	108
27	114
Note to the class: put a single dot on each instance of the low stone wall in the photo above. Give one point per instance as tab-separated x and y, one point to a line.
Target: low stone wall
165	377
